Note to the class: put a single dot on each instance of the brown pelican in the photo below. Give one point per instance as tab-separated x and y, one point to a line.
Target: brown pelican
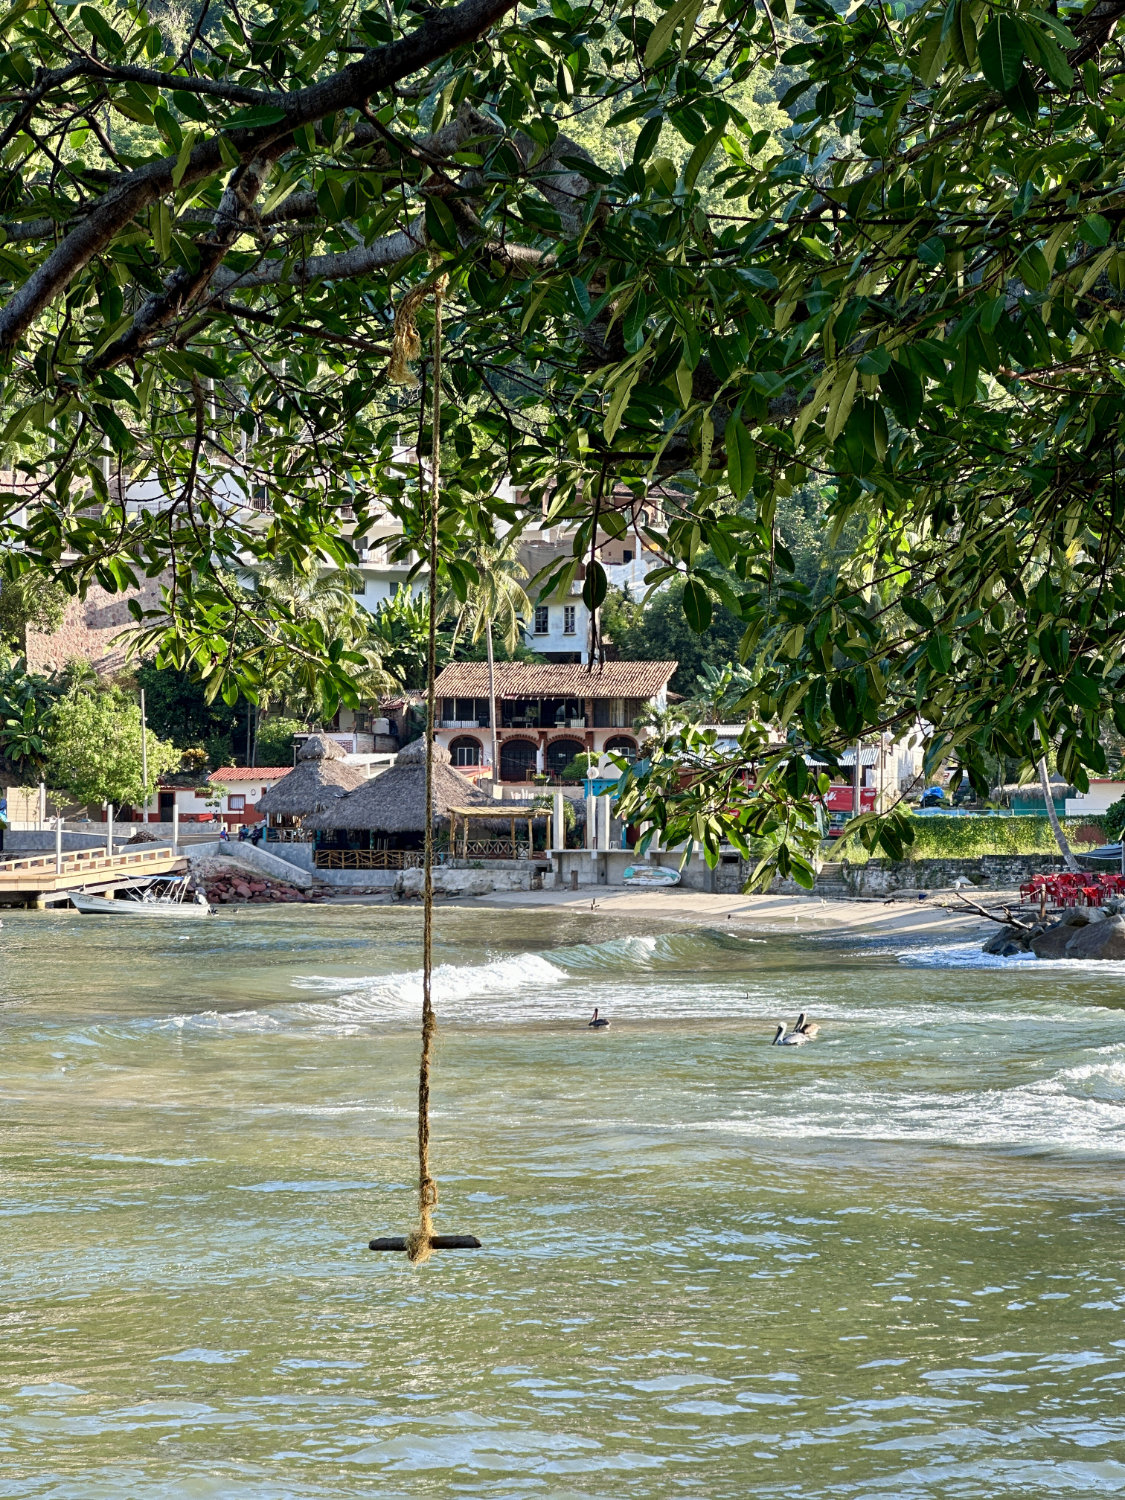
793	1039
598	1021
807	1028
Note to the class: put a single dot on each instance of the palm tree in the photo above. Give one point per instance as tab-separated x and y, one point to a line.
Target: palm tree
1053	817
496	601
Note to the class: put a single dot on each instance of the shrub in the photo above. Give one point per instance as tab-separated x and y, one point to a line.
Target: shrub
580	767
970	838
1113	820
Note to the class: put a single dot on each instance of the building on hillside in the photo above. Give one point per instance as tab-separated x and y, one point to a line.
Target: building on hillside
1104	792
546	715
559	626
230	795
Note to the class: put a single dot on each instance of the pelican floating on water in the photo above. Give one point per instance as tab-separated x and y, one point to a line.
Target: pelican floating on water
792	1039
806	1027
598	1021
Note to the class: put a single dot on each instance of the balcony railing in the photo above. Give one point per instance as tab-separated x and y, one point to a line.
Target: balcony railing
494	849
367	859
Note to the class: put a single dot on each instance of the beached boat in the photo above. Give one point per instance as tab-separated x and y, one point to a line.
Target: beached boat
650	875
167	896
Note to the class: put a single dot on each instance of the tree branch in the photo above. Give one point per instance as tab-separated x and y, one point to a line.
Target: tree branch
441	33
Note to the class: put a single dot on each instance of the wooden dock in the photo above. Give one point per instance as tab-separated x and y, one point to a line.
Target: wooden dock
44	880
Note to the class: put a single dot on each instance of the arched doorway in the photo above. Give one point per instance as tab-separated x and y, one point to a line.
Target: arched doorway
517	760
622	744
560	753
465	751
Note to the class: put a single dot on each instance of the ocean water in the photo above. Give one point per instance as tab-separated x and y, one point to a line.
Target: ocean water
888	1263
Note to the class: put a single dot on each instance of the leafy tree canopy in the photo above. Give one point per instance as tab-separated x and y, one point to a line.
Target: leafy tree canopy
94	749
912	295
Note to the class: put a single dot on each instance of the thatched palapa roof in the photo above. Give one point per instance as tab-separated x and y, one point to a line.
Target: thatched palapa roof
395	802
320	778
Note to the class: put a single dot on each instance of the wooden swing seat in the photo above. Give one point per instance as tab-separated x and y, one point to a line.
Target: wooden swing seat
437	1242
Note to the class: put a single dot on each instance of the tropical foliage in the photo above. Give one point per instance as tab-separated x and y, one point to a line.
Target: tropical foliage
94	752
27	713
911	296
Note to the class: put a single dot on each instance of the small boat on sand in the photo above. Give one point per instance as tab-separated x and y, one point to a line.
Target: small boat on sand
650	875
161	896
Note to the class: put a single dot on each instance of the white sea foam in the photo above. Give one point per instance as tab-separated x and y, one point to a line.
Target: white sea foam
1076	1109
970	956
461	991
218	1020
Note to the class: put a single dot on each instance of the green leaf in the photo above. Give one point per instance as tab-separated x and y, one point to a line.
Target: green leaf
254	119
1001	53
183	158
1033	270
917	611
939	650
741	458
661	34
697	605
650	134
99	27
113	427
903	392
191	106
618	402
595	586
699	156
441	226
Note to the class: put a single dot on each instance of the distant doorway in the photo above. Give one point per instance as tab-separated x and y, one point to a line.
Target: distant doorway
560	753
517	760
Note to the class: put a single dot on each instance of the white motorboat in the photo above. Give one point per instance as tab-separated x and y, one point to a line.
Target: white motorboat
161	896
651	876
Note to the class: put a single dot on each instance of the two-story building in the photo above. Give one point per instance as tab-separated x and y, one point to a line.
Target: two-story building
546	714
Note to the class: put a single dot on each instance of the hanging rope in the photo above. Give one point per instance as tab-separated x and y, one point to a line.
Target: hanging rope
419	1243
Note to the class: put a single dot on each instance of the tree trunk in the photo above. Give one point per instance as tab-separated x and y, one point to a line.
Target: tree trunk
492	701
1053	817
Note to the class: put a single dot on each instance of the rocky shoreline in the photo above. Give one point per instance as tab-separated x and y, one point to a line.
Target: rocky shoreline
1087	932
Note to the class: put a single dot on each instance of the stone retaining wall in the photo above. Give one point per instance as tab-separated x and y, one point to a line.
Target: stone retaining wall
882	877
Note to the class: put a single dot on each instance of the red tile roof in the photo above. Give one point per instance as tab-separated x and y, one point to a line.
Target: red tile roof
616	679
249	773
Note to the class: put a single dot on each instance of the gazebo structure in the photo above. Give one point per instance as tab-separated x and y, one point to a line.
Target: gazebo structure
320	778
381	825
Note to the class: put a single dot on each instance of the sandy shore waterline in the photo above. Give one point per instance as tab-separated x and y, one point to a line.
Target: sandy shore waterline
812	914
773	913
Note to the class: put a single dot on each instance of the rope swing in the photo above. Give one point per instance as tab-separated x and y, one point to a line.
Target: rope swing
422	1241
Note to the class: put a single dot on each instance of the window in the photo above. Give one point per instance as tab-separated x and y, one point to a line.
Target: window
465	751
358	583
542	619
627	554
568	619
236	803
621	744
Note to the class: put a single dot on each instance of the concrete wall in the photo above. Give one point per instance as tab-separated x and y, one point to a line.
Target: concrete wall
17	842
881	877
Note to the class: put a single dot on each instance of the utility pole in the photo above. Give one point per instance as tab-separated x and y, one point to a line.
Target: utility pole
144	761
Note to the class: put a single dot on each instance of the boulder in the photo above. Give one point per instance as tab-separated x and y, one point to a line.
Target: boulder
1104	940
1052	941
1005	942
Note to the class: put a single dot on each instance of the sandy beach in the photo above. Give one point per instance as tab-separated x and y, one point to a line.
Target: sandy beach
775	913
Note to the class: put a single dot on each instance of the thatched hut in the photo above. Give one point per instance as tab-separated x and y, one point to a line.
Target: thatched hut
320	778
387	816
